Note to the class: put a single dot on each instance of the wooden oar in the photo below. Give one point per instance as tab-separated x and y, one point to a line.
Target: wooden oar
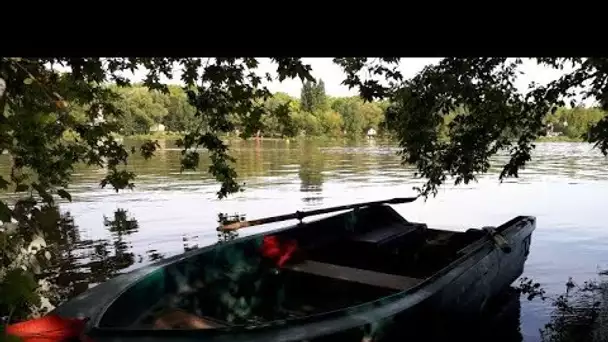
302	214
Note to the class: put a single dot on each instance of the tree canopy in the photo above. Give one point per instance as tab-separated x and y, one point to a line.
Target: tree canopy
142	109
495	116
449	120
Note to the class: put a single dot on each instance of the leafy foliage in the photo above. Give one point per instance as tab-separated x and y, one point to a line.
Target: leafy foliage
313	97
579	313
495	115
43	100
449	119
575	123
283	115
358	116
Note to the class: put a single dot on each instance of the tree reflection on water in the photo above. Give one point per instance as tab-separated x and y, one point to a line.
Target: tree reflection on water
80	263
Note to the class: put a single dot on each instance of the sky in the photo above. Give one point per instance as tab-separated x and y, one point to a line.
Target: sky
333	76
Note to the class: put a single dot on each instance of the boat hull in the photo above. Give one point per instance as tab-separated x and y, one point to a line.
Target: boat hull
462	304
462	290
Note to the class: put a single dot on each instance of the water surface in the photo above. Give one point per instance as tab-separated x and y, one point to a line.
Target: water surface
565	187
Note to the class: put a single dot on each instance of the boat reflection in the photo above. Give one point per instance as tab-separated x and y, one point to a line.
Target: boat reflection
500	322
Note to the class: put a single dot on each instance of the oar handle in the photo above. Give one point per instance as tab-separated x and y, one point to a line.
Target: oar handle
235	225
243	224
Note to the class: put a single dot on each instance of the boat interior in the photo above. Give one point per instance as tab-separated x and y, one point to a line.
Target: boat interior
381	254
343	260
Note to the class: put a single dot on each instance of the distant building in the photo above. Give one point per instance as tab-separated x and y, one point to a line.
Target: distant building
157	128
371	133
551	129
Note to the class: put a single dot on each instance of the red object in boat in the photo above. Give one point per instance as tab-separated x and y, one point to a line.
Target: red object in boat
50	328
280	251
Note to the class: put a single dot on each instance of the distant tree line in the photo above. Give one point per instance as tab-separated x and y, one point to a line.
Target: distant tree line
316	114
313	114
574	122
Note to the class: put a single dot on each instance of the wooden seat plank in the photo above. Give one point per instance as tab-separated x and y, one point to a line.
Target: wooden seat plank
378	236
367	277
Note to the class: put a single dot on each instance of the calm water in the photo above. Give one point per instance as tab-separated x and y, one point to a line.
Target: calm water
565	187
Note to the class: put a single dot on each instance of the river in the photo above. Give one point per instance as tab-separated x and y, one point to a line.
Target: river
565	187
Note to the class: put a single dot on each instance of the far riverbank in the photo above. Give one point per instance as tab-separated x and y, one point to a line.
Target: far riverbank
176	135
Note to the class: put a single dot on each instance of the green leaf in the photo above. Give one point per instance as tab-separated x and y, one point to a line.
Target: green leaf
43	193
18	287
64	194
21	187
148	148
3	183
5	212
28	81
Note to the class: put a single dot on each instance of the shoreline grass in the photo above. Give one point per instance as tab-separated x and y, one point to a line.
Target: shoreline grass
177	135
561	138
